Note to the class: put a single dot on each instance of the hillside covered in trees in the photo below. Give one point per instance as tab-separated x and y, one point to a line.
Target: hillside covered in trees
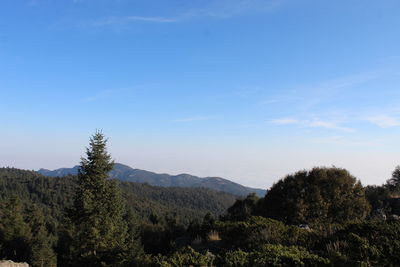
125	173
54	195
318	217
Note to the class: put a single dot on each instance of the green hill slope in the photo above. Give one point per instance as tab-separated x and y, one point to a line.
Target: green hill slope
54	195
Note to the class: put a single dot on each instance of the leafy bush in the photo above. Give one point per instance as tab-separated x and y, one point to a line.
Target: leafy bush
322	195
372	243
182	258
258	231
273	255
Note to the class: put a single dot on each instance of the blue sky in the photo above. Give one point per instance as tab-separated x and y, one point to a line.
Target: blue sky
249	90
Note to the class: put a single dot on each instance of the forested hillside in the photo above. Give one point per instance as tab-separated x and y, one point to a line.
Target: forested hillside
54	195
341	224
125	173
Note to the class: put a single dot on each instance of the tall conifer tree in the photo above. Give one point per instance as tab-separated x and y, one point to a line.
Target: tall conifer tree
99	232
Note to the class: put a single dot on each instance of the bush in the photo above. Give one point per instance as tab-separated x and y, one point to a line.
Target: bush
182	258
273	255
258	231
373	243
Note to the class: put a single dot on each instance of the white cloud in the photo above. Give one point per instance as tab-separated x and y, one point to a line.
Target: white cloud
384	121
313	123
328	125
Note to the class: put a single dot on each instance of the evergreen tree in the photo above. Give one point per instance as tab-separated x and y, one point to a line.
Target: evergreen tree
207	226
243	209
394	183
99	233
134	251
42	253
15	234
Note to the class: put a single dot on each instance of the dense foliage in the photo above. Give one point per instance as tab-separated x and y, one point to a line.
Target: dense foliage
322	195
273	255
25	235
321	217
53	195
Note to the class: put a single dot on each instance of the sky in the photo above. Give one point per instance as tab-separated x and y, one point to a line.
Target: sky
248	90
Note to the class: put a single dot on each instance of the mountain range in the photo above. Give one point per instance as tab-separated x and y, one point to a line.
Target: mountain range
125	173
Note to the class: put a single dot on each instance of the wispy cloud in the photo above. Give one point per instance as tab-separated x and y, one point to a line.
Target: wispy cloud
128	19
326	104
195	118
388	120
329	125
313	123
219	9
308	96
384	121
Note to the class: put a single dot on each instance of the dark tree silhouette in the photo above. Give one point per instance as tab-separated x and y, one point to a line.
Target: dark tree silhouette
322	195
99	232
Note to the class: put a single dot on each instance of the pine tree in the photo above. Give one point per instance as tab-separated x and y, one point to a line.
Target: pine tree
15	233
134	246
99	233
42	253
394	183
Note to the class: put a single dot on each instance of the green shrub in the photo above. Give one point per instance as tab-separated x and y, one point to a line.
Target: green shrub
372	243
273	255
258	231
182	258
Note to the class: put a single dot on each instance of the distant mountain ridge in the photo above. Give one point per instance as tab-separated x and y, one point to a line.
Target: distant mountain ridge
125	173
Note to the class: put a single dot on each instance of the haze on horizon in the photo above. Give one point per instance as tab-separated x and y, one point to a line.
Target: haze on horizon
248	90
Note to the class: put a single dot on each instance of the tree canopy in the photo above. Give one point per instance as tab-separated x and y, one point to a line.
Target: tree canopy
321	195
394	182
